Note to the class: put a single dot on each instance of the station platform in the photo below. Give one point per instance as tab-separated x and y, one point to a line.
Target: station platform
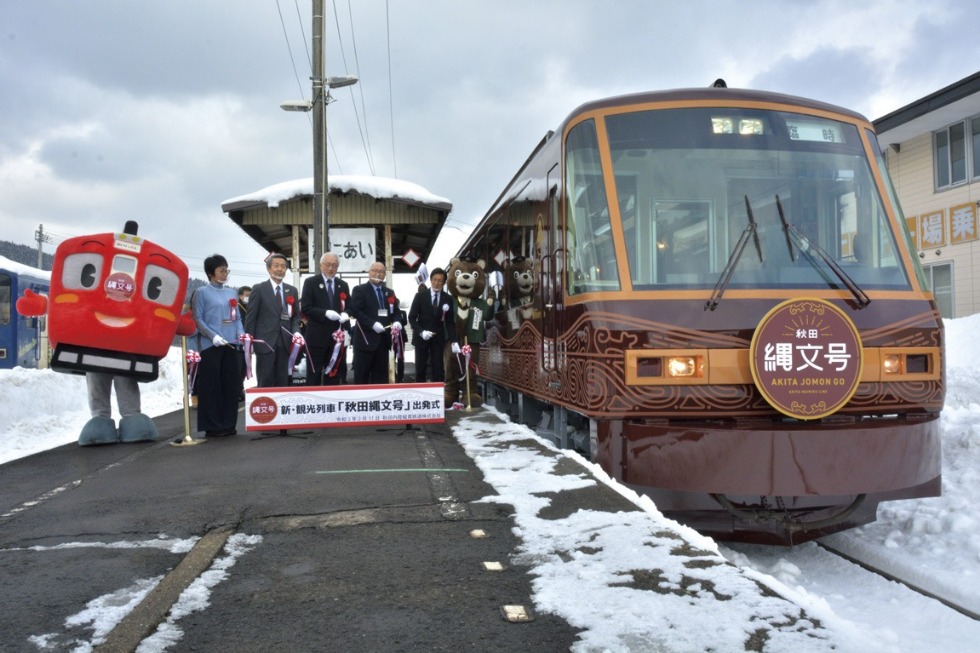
343	539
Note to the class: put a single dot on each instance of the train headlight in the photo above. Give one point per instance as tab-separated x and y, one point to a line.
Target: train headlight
682	366
666	366
891	364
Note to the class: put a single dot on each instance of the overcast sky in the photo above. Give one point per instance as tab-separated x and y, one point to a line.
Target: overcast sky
113	110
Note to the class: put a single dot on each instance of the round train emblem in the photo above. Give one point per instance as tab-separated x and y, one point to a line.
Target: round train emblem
263	410
806	358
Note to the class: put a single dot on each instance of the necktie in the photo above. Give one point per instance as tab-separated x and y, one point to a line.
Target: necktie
282	306
330	292
435	302
381	299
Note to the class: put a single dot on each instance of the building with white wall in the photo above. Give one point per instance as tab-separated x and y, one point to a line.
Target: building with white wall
932	148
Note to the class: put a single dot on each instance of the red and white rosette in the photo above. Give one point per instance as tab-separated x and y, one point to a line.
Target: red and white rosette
290	300
232	309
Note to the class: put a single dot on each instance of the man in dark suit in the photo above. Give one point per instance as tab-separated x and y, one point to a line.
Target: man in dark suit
324	301
273	318
374	306
433	325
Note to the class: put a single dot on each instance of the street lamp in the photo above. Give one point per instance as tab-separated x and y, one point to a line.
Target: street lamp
321	97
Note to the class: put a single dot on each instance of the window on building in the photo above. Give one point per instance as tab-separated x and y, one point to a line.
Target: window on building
940	278
956	152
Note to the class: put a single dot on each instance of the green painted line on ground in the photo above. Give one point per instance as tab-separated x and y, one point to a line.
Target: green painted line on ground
389	471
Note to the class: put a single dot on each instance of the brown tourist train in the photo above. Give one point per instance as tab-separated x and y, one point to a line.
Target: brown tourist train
712	293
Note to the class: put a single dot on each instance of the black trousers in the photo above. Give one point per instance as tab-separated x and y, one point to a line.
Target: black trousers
218	385
428	360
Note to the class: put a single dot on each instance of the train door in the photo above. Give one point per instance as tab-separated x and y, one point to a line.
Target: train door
550	283
8	323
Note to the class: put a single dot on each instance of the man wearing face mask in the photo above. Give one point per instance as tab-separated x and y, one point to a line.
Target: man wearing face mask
272	320
375	308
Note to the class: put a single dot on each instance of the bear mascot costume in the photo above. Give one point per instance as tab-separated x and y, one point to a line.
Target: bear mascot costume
113	309
520	275
466	281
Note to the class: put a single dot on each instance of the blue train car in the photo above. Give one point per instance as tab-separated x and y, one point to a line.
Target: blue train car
23	340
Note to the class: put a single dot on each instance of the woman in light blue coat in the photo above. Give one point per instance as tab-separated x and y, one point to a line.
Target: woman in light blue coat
219	329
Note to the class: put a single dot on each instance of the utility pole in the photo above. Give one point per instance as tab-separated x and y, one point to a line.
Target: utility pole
41	237
321	185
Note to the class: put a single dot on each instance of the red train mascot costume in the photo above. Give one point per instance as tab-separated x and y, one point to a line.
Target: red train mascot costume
114	307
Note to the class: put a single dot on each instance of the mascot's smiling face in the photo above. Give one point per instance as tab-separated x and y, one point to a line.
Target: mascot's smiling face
466	278
117	292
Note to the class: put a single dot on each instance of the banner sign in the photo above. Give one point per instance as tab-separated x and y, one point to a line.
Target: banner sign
269	409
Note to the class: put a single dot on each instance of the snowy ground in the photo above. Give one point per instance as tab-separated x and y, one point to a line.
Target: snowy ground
934	541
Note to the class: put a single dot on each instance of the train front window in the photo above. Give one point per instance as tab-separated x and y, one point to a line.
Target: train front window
687	180
591	252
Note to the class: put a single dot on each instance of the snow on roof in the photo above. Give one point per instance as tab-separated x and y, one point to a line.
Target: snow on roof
20	268
377	187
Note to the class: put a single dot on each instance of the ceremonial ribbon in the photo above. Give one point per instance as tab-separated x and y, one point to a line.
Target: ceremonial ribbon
298	344
246	340
338	337
396	340
466	350
193	358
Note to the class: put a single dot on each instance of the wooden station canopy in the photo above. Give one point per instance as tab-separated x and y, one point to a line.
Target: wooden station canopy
404	216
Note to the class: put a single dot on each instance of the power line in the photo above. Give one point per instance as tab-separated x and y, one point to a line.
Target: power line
357	67
289	49
391	102
343	56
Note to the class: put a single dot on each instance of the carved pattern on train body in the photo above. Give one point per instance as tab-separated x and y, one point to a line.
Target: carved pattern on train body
594	383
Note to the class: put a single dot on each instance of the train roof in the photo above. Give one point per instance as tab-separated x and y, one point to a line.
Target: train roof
710	93
23	270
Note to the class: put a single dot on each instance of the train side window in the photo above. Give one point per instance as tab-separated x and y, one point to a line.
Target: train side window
5	298
592	264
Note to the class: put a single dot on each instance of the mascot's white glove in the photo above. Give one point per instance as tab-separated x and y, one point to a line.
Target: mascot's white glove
377	327
455	347
344	317
333	315
219	341
426	335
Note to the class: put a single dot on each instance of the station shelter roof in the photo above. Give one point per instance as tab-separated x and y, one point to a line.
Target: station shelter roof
280	217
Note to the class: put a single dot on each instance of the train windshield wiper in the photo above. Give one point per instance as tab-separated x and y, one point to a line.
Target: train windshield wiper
808	248
726	275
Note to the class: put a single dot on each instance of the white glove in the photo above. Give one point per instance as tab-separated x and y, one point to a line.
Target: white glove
219	341
333	315
455	347
377	327
344	317
426	335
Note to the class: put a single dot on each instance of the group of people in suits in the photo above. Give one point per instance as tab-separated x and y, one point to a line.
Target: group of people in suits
368	317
